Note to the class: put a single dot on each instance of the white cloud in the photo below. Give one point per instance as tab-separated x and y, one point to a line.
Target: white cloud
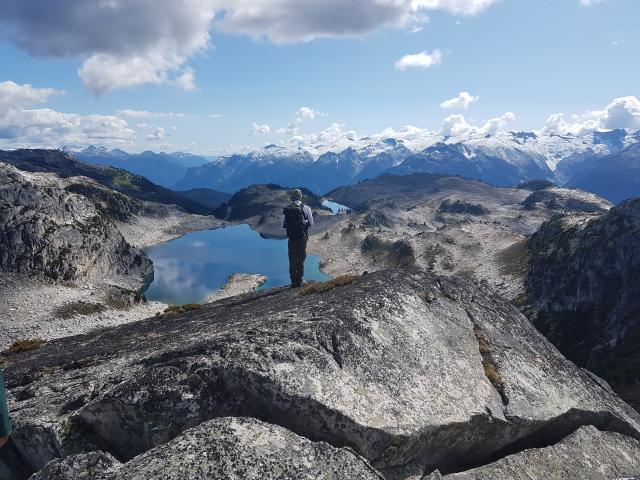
159	134
455	125
306	113
459	7
13	95
22	126
187	80
588	3
333	134
44	127
419	60
121	43
260	129
463	100
128	43
130	113
286	21
291	129
622	112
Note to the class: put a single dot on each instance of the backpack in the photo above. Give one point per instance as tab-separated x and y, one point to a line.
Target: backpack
295	221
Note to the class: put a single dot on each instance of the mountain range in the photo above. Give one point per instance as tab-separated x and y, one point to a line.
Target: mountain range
161	168
600	161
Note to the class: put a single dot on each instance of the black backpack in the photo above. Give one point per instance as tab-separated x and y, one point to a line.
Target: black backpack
295	221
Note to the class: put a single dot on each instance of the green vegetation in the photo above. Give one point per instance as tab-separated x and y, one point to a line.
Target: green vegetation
123	181
458	206
24	345
398	253
514	260
321	287
177	309
375	219
78	308
488	363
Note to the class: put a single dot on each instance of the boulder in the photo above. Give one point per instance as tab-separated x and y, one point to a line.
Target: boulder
224	448
586	454
404	367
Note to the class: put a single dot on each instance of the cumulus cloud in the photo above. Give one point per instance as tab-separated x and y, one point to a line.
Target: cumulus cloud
122	43
333	134
159	134
419	60
455	125
291	129
130	43
463	100
44	127
15	95
257	129
21	125
622	112
306	113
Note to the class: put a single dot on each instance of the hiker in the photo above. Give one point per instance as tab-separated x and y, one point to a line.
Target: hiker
5	423
297	218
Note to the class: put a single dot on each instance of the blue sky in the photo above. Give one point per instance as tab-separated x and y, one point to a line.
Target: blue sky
229	74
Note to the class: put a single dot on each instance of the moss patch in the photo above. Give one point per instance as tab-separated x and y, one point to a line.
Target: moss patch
320	287
78	308
488	363
514	260
24	345
176	309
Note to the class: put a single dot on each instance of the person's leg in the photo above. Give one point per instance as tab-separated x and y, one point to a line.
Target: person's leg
302	255
293	263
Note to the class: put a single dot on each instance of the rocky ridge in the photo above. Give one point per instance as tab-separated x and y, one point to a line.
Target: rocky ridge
48	231
412	371
484	237
582	285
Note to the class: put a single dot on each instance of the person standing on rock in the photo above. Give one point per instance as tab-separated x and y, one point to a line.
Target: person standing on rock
297	218
5	422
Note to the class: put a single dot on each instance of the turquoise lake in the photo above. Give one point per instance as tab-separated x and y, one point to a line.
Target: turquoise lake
189	268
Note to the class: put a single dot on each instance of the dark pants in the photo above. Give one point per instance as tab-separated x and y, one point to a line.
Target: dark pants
297	254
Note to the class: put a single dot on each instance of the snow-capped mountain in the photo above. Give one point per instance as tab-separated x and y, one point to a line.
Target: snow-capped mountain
503	159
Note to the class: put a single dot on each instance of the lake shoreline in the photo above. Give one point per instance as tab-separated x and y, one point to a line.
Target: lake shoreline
193	267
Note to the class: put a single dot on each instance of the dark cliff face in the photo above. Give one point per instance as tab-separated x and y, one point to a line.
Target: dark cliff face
46	230
400	370
584	283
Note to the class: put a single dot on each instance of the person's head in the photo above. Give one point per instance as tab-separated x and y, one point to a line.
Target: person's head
296	194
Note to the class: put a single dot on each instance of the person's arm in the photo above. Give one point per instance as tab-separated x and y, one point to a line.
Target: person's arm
5	422
308	214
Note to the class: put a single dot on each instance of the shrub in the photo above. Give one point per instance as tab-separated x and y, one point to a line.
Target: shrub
462	207
176	309
398	253
24	345
375	219
78	308
514	260
321	287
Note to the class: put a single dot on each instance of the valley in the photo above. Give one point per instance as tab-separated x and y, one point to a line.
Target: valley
390	259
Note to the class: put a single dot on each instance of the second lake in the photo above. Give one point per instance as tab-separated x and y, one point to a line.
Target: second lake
189	268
